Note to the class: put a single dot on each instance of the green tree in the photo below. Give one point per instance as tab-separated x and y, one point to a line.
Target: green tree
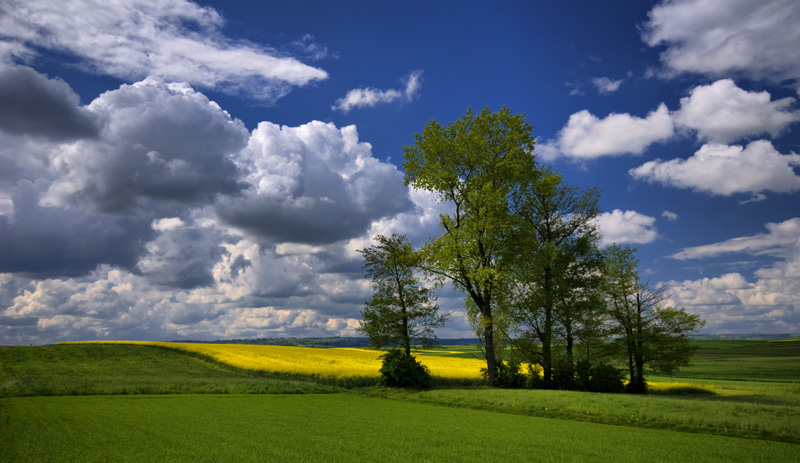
473	164
654	338
401	310
556	265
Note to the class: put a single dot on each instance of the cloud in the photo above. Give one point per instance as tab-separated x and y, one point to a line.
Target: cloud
181	256
587	137
313	184
757	39
780	236
368	97
605	85
722	112
669	215
174	40
45	241
37	106
726	170
160	142
626	227
732	303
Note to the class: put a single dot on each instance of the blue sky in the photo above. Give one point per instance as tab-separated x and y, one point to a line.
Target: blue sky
174	170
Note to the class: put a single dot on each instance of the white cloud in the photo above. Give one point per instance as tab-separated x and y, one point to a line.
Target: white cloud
731	303
168	223
722	112
669	215
759	39
626	227
605	85
175	40
779	237
368	97
312	184
726	170
586	136
160	142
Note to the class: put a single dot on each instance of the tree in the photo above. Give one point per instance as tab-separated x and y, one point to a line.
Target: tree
401	310
654	337
473	164
556	265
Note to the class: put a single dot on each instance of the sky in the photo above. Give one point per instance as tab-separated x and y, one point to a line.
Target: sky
209	170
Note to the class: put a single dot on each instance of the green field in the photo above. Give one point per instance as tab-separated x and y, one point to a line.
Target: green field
136	403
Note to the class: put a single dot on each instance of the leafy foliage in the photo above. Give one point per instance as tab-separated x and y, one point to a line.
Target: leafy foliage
401	310
403	370
474	164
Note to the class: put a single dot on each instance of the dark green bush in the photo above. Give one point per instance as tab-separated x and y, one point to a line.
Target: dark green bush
605	378
564	375
401	370
509	375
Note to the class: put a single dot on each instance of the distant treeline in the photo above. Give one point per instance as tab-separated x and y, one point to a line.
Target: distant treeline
322	342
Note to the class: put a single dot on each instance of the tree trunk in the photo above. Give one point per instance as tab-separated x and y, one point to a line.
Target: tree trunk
491	362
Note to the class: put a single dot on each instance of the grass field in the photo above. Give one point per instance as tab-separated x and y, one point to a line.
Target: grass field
332	428
244	415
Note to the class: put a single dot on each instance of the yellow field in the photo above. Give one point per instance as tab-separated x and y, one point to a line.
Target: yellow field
338	363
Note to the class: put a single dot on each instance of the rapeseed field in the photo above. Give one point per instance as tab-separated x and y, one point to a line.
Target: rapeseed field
332	363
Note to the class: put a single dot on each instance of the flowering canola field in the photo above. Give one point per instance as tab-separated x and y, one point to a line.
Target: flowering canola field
333	362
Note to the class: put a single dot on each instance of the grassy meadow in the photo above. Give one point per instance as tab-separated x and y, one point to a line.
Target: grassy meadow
154	402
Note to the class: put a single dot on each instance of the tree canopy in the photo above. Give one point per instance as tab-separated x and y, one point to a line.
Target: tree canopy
474	164
401	311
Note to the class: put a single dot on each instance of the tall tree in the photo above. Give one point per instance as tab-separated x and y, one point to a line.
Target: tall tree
556	263
473	164
654	337
402	310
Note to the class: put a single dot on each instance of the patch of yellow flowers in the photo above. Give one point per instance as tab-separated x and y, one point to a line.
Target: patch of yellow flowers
333	362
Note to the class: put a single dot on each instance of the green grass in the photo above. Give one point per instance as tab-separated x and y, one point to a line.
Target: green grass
727	416
232	427
778	368
93	369
331	428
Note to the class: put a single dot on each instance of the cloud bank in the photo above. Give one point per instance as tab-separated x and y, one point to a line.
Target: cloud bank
173	40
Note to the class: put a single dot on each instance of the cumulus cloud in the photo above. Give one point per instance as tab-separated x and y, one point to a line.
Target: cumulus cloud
368	97
758	39
181	256
587	137
37	106
669	215
731	302
726	170
605	85
722	112
161	142
313	184
623	227
175	40
49	241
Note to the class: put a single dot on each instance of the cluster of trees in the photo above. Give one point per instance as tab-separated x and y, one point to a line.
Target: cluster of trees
523	246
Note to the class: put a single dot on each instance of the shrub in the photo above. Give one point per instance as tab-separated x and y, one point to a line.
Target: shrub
598	378
509	375
605	378
402	370
564	375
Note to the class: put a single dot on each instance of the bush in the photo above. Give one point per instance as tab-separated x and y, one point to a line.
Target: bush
401	370
599	378
605	378
509	375
564	375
